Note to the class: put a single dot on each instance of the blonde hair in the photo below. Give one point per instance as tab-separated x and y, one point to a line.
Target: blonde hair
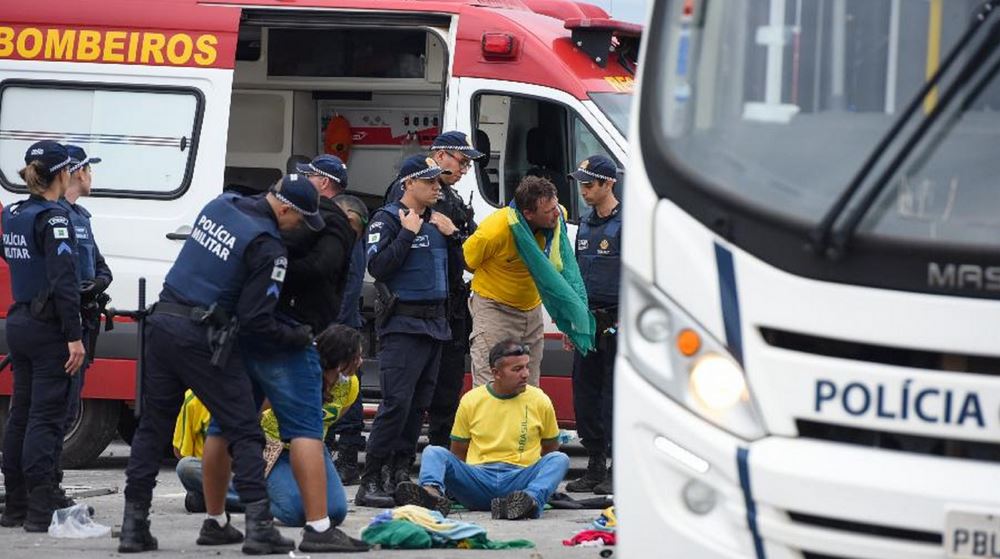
37	177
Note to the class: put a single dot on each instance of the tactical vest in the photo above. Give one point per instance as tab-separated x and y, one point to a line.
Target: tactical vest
210	266
424	274
598	251
24	256
79	217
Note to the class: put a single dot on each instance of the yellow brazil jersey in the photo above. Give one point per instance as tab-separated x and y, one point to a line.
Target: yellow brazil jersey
499	273
191	427
344	393
505	428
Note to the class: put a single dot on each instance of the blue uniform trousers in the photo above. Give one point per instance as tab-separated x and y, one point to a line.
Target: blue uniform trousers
408	368
593	393
178	357
448	389
34	430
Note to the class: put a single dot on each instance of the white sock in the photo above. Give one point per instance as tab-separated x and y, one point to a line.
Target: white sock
320	525
220	518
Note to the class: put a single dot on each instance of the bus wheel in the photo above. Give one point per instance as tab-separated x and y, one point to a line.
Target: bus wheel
94	428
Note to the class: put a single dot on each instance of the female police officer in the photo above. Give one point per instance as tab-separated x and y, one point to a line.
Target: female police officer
43	334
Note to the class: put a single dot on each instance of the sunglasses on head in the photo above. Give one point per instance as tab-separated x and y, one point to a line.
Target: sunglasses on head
515	350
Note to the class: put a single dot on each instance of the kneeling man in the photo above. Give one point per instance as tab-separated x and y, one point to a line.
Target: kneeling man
504	447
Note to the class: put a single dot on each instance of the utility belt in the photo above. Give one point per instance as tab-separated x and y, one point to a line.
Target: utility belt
421	310
388	305
222	328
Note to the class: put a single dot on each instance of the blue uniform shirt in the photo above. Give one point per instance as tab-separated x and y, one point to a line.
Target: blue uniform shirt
598	252
262	268
91	262
39	245
388	246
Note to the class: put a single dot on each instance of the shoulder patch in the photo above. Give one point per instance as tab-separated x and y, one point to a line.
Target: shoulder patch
279	269
375	225
374	237
57	220
60	232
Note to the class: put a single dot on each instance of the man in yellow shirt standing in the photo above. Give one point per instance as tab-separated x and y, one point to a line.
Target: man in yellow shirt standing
504	447
505	301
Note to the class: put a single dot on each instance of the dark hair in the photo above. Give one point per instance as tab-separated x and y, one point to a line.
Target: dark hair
507	348
337	345
531	190
37	177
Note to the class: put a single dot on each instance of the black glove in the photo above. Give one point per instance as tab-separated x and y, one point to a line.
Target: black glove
302	335
94	287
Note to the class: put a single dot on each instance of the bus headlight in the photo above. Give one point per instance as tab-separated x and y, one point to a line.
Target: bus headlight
678	356
717	382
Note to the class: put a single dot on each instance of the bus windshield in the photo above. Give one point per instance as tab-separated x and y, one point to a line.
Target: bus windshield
779	102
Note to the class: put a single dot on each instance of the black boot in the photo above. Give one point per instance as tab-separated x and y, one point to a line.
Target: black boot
262	537
135	536
597	471
15	507
40	507
605	487
347	467
372	492
60	499
399	472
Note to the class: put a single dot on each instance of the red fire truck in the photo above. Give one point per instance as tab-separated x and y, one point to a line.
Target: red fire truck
183	97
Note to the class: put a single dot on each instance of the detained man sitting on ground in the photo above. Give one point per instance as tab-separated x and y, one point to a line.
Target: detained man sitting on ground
504	447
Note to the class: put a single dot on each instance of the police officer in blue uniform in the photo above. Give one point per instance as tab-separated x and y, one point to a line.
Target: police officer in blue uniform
95	275
454	152
410	250
43	335
598	251
227	278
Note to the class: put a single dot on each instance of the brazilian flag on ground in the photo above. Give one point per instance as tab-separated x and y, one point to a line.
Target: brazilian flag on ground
557	277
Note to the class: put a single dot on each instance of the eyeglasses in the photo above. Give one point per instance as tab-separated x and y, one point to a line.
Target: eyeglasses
513	350
463	163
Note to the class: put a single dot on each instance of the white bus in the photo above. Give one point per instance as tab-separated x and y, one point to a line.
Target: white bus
810	362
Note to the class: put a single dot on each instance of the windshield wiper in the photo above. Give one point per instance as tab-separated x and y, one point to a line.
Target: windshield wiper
833	246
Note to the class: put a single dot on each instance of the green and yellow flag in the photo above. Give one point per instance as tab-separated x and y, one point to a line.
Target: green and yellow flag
557	277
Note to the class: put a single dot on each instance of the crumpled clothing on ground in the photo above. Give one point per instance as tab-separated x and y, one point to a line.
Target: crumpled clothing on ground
434	522
414	527
589	538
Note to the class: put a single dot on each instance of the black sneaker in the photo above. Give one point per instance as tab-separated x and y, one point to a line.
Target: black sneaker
194	502
213	534
516	506
409	493
332	540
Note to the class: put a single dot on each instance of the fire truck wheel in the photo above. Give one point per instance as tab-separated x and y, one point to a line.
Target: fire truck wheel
95	427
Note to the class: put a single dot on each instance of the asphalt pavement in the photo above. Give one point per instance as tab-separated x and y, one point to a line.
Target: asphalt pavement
102	484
